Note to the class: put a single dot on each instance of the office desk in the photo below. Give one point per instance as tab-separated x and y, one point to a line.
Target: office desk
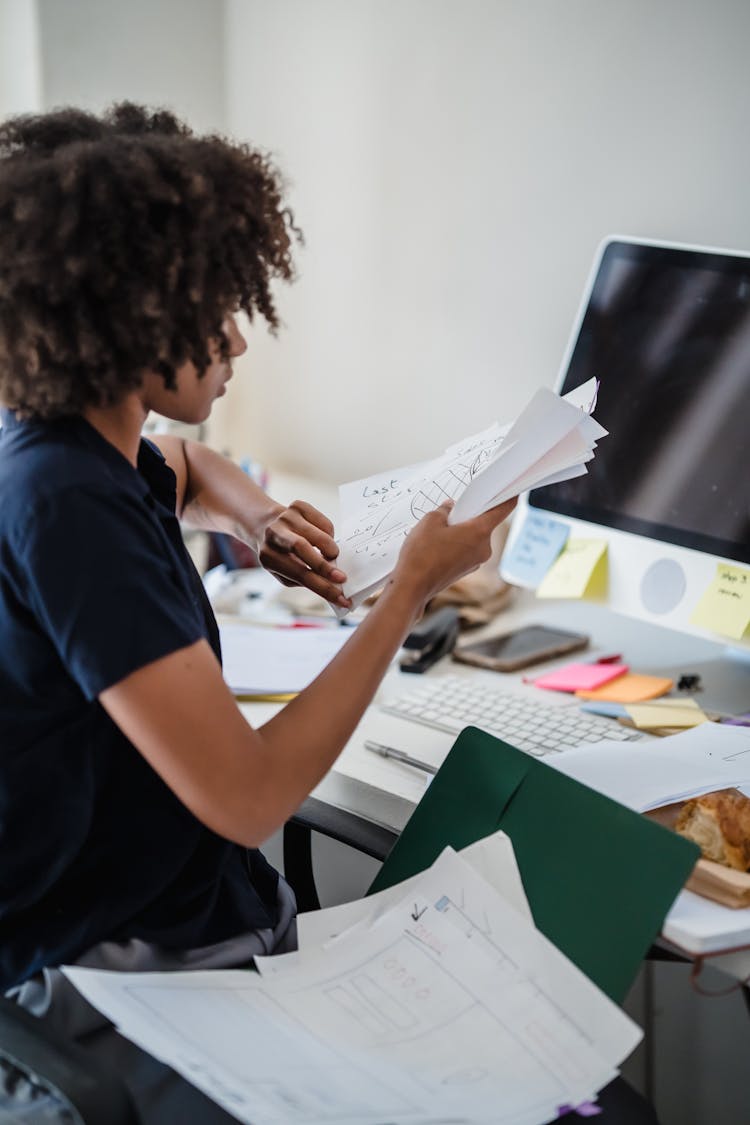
385	792
646	648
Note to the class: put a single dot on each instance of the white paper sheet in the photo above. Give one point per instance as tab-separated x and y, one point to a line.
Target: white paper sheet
492	857
259	659
551	440
431	1014
647	775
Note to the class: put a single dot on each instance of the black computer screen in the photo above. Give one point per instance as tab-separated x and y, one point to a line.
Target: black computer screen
667	333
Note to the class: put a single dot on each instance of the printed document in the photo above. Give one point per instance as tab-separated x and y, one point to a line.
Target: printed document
550	441
491	857
442	1009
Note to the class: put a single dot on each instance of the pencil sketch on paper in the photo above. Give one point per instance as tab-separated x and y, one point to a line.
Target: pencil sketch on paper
394	502
550	441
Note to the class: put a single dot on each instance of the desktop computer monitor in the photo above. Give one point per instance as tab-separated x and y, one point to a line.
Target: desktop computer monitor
666	330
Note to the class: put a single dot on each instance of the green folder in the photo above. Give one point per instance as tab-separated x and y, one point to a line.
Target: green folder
599	878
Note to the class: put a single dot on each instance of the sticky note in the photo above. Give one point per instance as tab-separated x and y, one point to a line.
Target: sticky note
630	688
538	544
580	570
580	677
681	713
725	606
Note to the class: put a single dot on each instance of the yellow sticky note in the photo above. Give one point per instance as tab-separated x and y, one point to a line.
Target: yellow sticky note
725	606
681	713
580	570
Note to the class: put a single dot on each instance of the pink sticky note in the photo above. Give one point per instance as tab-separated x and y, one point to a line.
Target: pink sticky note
581	677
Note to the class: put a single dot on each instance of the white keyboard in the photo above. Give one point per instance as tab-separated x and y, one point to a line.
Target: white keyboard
451	703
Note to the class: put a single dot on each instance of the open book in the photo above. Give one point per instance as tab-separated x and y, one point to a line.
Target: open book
550	441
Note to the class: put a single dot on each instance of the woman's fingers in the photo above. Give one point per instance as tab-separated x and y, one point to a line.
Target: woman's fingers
292	572
299	548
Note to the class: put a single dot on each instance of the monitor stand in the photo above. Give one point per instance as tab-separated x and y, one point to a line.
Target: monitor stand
724	681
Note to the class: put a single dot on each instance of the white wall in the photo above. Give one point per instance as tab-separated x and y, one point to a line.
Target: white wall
160	52
20	79
454	165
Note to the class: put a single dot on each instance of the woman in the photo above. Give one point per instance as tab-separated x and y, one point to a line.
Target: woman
133	793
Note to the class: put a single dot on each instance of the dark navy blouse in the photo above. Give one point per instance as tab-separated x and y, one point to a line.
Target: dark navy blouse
95	583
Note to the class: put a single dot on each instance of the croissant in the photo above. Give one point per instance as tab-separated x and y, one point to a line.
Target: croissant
720	824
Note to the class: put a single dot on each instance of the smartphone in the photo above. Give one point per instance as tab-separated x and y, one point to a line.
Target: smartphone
521	648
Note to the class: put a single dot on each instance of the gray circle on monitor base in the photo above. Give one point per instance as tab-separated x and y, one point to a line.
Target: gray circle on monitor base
663	586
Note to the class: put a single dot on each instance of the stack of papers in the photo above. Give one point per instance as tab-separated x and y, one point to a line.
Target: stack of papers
550	441
649	775
261	660
443	1003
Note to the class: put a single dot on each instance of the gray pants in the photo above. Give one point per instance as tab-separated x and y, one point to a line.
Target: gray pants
160	1095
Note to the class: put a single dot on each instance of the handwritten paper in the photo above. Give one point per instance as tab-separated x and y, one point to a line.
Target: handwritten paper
535	548
551	440
579	571
725	606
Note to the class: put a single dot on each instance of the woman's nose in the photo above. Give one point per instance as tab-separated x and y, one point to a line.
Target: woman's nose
237	342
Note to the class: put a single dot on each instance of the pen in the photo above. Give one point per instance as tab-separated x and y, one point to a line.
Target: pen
399	756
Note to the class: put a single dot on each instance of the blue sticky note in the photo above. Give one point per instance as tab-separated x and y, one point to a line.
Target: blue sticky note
540	542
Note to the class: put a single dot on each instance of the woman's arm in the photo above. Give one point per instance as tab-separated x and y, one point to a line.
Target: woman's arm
213	494
243	783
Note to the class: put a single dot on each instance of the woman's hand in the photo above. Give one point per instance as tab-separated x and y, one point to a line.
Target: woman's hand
295	543
297	546
437	553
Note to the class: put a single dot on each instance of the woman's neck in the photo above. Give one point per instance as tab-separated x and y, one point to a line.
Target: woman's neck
120	425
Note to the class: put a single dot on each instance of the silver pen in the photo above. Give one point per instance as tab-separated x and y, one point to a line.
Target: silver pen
399	756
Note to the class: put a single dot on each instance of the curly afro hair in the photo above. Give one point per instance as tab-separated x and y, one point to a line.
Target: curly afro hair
125	240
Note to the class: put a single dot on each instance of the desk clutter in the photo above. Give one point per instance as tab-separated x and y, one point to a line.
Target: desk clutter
698	755
545	557
479	979
608	687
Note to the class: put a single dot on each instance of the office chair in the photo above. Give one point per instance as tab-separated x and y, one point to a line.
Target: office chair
43	1078
346	827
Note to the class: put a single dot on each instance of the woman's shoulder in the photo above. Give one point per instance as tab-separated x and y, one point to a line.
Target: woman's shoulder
50	467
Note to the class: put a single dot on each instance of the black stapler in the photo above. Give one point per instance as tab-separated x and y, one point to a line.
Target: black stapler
434	636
